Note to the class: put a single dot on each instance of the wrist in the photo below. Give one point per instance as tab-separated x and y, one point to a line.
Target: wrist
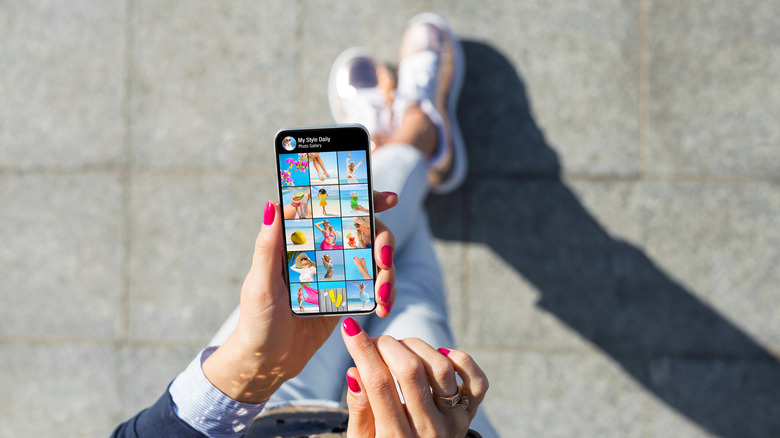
242	374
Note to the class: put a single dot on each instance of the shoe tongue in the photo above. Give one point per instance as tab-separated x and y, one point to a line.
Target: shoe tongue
369	108
417	76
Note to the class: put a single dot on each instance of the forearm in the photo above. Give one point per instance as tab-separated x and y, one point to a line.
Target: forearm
240	376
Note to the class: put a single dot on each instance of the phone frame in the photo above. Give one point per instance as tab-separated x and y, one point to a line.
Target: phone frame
352	137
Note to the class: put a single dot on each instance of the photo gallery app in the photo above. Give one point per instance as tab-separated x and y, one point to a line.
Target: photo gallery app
327	227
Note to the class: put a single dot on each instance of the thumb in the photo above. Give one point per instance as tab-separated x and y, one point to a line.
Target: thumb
268	246
361	418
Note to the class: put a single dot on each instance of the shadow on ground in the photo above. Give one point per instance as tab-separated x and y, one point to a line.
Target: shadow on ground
610	292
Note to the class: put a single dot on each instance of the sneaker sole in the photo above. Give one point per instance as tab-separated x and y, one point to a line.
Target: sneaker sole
460	159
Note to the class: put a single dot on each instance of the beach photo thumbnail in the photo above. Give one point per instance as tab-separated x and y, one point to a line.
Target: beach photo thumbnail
354	199
296	203
356	232
360	295
301	266
334	259
299	235
327	234
323	168
352	167
355	260
333	297
294	169
305	298
327	198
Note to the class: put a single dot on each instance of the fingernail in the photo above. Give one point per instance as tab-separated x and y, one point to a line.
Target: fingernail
270	212
353	384
444	351
387	255
384	293
351	327
387	307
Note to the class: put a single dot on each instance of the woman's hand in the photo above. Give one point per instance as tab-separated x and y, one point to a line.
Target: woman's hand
424	375
269	344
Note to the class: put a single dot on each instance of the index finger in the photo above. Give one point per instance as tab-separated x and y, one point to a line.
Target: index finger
376	379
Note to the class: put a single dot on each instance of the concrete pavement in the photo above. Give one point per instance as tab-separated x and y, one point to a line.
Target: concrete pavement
611	261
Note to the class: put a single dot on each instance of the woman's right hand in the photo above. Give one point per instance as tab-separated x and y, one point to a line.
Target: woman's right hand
424	375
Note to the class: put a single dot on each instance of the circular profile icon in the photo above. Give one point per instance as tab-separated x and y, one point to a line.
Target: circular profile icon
288	143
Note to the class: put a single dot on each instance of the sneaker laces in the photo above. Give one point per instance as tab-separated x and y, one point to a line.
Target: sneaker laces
417	76
370	108
417	83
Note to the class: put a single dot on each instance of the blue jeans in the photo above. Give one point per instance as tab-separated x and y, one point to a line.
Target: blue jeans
420	308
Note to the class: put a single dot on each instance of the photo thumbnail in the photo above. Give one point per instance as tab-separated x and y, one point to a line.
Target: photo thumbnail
301	267
352	167
333	297
323	168
360	295
305	298
296	203
358	264
354	200
299	235
326	201
330	265
328	234
356	232
294	169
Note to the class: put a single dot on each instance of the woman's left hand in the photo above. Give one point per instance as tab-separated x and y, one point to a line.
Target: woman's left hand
269	344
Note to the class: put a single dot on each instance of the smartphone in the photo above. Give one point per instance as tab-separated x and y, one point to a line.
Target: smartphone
325	191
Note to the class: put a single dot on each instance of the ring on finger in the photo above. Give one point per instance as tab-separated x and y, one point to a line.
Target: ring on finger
452	401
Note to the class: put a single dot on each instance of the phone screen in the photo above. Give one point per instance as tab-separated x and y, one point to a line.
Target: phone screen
325	191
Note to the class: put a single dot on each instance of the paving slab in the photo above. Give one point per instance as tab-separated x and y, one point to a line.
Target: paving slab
58	390
717	240
62	83
210	83
561	395
61	255
633	302
192	242
548	73
714	99
146	371
740	395
610	283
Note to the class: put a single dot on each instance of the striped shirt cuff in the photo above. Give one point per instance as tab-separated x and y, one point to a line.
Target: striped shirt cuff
198	403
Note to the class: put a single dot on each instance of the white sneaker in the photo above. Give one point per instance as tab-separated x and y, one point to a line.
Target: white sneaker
361	90
430	74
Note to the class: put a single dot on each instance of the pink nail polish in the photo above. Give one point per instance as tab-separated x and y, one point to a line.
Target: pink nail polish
351	327
384	293
444	351
353	384
387	256
387	307
270	212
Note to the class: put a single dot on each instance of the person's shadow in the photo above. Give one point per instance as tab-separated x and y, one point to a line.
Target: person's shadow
677	347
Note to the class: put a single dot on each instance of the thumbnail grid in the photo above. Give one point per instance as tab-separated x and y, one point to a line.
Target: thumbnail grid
325	204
